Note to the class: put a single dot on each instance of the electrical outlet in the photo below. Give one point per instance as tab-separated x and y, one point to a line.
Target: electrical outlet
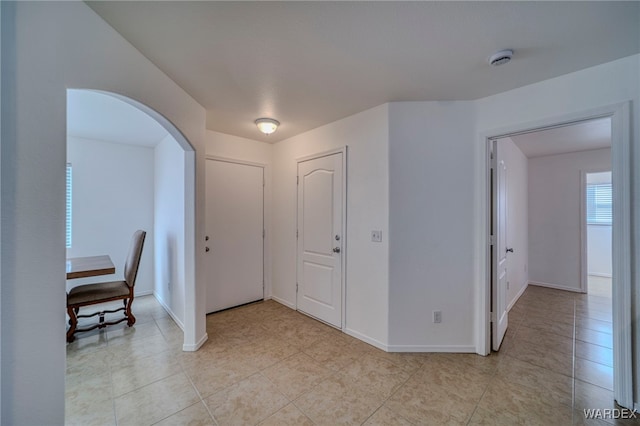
376	236
437	317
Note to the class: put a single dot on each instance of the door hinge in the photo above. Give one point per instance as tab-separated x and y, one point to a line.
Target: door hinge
264	234
263	182
491	240
296	234
296	287
297	180
493	317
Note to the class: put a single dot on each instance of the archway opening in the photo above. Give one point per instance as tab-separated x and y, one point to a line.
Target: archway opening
132	169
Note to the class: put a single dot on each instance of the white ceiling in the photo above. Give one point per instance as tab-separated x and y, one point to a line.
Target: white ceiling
585	136
310	63
95	115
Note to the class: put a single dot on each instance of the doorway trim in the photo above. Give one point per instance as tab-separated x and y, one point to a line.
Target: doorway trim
344	150
621	245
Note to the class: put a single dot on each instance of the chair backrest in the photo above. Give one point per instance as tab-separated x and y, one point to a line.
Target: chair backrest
133	258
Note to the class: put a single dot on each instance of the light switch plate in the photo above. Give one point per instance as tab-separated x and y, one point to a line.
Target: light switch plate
376	236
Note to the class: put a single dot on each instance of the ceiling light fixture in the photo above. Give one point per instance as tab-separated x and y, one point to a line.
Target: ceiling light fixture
501	57
267	125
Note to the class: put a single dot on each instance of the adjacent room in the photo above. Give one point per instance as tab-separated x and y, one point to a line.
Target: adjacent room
558	243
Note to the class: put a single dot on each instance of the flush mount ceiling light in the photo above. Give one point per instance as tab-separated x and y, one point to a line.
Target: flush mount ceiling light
267	125
501	57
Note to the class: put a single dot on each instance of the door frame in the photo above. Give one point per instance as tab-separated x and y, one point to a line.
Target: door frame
584	242
620	114
266	290
344	150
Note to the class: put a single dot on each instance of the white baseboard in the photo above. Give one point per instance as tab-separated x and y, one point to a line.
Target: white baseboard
185	347
433	348
598	274
193	348
144	293
556	286
515	299
366	339
170	312
394	348
284	302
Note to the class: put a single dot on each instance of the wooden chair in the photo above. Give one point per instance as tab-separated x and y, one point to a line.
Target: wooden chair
92	294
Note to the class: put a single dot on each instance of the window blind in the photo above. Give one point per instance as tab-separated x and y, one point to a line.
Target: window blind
68	205
599	202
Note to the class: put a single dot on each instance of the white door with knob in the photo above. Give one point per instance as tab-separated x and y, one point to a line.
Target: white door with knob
235	234
321	242
499	313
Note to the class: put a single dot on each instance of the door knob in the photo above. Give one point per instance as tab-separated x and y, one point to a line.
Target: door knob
206	249
510	250
336	249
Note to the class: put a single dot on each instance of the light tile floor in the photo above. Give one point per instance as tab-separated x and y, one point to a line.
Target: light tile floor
266	364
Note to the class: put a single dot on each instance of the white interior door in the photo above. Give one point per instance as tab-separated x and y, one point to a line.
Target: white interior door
320	238
499	315
235	226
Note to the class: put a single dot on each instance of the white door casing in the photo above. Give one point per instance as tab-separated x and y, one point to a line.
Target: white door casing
499	253
235	232
320	238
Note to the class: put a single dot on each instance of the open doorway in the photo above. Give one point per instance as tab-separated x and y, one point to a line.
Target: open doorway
131	169
549	197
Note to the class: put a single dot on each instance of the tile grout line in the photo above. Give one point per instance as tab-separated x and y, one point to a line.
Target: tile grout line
393	393
573	366
290	401
493	377
113	395
182	369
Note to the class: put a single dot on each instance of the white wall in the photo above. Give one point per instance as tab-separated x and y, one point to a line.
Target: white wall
247	150
169	210
517	219
112	195
554	216
431	225
599	250
366	134
47	48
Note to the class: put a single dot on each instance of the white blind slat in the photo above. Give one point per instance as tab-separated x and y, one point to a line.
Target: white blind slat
599	202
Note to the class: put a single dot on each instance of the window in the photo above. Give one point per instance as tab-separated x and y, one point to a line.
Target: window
599	204
68	204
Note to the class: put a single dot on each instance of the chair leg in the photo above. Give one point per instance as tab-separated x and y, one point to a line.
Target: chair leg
130	318
73	323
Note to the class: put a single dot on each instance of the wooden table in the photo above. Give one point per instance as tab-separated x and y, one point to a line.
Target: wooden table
91	266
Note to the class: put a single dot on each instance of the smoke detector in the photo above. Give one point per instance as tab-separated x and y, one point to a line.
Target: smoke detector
501	57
